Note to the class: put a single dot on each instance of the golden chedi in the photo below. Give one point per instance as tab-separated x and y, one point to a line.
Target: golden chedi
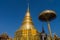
27	30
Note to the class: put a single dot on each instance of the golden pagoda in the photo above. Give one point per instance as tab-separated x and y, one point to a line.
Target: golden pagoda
27	30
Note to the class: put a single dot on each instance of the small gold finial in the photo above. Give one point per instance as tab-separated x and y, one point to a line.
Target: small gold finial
28	11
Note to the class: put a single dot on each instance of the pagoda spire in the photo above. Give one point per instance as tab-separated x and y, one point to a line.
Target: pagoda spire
27	22
28	11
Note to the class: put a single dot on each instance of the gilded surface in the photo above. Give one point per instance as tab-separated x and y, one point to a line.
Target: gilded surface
27	30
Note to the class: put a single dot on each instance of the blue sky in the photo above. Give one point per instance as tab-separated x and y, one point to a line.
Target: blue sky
12	13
